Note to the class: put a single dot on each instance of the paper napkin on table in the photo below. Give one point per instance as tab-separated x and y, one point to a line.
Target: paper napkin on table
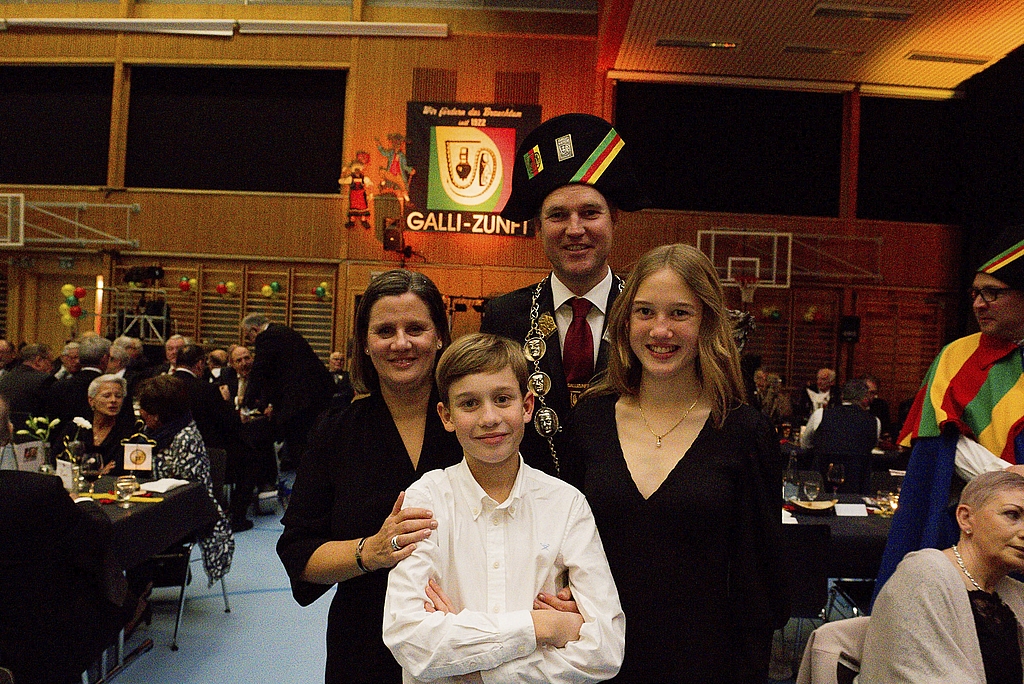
163	485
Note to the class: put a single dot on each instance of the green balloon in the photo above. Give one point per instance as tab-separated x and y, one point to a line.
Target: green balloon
72	300
275	286
320	292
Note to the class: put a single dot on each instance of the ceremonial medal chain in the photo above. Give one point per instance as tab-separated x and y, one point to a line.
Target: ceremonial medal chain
545	420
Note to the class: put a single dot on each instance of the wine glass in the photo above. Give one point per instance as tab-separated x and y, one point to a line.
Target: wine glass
836	475
811	486
124	488
92	468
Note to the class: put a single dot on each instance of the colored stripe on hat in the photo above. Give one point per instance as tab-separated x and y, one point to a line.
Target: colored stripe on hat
534	164
1004	258
600	159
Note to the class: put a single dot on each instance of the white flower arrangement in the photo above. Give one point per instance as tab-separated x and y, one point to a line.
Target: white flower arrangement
82	423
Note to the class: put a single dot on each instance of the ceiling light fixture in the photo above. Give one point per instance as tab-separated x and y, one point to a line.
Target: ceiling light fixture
700	43
835	10
820	50
948	59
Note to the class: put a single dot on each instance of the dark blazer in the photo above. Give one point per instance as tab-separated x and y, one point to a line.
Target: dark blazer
509	316
217	422
70	397
228	377
290	375
26	389
62	593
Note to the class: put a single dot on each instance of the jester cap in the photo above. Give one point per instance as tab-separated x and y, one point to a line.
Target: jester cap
1005	259
572	148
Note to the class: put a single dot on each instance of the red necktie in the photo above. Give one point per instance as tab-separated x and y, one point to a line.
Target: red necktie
578	351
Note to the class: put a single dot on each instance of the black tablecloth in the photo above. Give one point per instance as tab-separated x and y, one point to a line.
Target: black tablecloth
857	542
146	529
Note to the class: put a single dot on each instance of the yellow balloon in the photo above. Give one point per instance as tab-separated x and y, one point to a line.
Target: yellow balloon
64	309
323	284
232	286
266	291
67	320
67	290
193	282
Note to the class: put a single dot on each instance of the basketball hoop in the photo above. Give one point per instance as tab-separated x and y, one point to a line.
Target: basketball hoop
747	285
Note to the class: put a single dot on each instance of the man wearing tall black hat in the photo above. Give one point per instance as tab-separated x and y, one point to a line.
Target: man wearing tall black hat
572	173
968	416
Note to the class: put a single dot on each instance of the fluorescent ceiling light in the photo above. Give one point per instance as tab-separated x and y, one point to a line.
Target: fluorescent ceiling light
344	28
206	27
819	50
701	43
835	10
948	59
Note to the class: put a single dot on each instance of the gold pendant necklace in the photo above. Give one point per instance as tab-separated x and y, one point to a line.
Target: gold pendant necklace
665	434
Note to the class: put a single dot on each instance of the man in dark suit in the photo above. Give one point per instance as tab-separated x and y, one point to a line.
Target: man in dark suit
26	385
70	397
574	174
289	374
62	598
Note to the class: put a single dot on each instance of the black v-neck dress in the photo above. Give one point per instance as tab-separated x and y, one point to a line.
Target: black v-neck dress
696	564
347	483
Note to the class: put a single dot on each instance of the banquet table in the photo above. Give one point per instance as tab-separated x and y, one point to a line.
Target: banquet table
857	542
146	529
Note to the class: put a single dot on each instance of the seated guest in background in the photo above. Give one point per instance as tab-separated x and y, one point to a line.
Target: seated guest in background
62	597
27	385
110	424
846	434
879	408
69	363
343	391
171	347
220	374
255	430
8	356
180	453
817	395
774	402
438	615
954	615
70	397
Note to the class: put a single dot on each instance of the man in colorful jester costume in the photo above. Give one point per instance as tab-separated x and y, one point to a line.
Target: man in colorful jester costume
968	416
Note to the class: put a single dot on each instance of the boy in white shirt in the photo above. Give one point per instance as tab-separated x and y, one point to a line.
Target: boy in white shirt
505	533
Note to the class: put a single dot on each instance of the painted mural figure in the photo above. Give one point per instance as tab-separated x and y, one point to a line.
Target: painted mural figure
396	173
359	190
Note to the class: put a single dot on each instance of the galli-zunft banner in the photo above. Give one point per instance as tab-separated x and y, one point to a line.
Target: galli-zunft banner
463	155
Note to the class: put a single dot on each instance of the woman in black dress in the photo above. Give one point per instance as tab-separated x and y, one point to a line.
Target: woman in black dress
360	460
109	423
681	475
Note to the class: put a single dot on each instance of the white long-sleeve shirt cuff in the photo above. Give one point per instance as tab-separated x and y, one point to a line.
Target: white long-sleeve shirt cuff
972	459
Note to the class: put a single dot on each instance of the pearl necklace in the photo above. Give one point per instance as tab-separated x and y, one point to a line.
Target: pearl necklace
960	562
665	434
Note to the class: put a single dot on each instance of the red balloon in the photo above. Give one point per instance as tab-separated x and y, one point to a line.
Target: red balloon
79	291
184	286
75	311
222	288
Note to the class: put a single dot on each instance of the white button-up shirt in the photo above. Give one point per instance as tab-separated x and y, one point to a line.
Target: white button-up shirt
492	559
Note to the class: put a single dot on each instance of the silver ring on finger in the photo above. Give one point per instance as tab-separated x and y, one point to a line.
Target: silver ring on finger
394	543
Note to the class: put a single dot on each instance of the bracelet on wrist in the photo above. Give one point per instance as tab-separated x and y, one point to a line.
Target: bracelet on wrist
359	556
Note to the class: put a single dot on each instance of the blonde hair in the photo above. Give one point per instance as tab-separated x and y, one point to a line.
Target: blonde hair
479	353
717	363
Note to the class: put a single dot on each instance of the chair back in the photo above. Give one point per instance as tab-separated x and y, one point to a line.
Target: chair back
218	474
833	652
805	553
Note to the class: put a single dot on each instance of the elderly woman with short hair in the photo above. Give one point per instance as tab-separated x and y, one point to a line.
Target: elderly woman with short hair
110	424
955	615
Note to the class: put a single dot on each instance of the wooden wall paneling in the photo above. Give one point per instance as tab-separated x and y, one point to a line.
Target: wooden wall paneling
771	337
814	313
119	118
311	316
517	87
274	307
184	306
220	314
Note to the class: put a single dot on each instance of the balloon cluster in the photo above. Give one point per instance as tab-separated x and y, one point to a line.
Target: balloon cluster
186	283
320	291
813	315
71	309
271	290
771	313
226	288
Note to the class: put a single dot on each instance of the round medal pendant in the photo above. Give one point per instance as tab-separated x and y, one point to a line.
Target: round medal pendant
539	383
534	348
546	422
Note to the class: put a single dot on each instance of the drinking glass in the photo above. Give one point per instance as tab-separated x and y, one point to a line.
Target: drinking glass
836	475
811	486
92	468
124	488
